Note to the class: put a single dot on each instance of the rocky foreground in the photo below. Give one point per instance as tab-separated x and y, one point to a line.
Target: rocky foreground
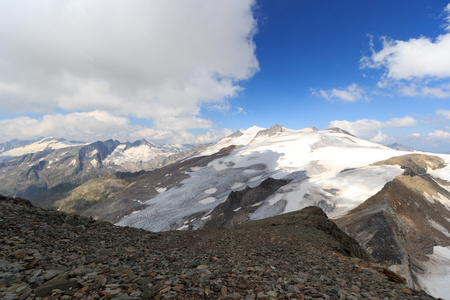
302	255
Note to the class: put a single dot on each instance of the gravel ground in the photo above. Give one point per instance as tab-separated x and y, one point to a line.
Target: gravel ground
50	255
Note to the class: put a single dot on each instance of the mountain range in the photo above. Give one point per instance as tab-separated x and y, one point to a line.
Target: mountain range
394	203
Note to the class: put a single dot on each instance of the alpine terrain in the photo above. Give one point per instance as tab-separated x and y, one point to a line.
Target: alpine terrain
48	169
299	255
394	203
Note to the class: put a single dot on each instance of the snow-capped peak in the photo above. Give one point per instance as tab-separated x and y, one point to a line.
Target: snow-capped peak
239	138
138	151
48	143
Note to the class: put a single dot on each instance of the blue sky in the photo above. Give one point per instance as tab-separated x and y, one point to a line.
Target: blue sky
192	71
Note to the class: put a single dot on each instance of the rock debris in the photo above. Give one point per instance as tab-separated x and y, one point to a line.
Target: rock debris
51	255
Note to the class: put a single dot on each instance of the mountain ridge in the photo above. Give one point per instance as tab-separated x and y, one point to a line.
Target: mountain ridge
260	173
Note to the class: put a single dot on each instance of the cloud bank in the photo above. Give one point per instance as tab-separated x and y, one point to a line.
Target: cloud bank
417	67
370	129
159	60
373	130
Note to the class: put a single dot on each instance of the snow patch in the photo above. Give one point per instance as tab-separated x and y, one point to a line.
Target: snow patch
161	190
439	227
237	185
255	178
210	191
436	279
428	197
195	169
184	227
208	200
94	162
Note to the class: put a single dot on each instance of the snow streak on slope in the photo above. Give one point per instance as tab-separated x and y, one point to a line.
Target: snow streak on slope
144	152
319	163
436	278
41	145
201	192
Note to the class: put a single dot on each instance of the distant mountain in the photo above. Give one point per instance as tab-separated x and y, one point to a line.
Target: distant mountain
400	147
47	169
19	148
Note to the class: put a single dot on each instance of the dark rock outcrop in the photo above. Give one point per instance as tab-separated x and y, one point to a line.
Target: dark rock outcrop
240	204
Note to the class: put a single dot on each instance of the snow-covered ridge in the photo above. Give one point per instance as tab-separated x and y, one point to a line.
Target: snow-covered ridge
49	143
322	164
140	153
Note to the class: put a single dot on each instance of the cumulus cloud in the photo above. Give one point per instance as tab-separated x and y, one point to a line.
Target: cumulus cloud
444	113
73	126
101	125
350	94
440	134
417	67
370	129
161	60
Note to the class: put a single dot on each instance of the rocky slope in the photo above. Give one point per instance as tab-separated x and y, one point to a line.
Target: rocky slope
47	170
402	224
301	255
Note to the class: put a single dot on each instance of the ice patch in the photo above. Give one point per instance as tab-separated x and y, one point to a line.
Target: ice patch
439	227
237	185
195	169
184	227
255	178
94	162
210	191
207	200
428	197
250	171
92	153
161	190
436	279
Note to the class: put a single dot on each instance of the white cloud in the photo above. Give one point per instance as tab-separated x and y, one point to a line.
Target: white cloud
370	129
100	125
416	67
439	134
72	126
350	94
413	89
444	113
162	60
380	137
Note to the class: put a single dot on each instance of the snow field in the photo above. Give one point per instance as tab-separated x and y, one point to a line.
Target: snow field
436	279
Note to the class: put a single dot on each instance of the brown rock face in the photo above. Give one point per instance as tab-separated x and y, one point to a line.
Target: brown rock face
399	225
